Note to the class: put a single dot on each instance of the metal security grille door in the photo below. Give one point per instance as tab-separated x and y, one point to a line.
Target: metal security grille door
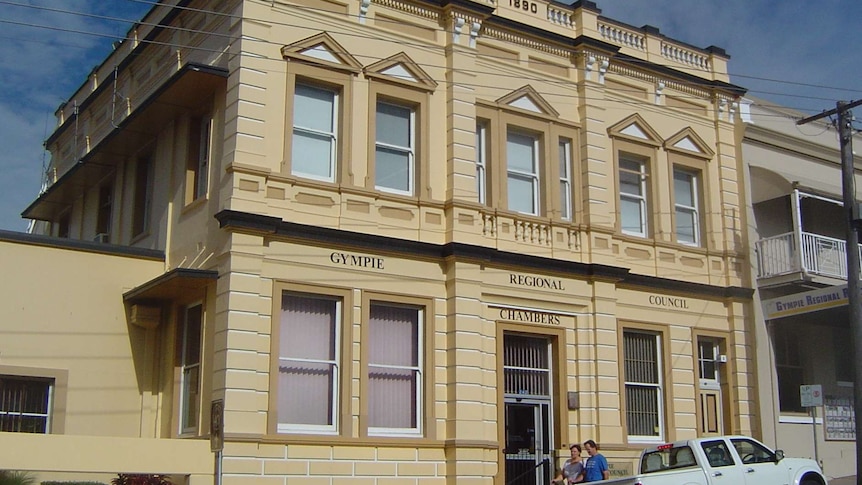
527	381
709	382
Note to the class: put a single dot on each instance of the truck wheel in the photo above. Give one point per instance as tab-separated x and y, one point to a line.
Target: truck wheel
809	481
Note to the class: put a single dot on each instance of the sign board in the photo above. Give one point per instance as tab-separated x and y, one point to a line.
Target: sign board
811	395
809	301
217	425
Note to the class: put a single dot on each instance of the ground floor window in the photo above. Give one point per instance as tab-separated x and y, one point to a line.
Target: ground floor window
394	369
643	385
308	363
25	404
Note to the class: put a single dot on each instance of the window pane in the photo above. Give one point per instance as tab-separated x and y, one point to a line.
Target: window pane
393	125
630	183
313	108
192	337
642	411
632	218
307	327
392	170
311	154
392	398
520	152
685	226
564	200
191	398
521	195
306	393
683	188
393	333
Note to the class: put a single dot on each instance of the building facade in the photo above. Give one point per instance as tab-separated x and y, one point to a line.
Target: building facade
798	233
424	242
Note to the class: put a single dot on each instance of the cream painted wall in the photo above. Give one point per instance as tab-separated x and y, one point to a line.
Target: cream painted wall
63	309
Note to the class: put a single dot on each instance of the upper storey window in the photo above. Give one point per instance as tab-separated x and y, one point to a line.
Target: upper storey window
400	93
636	150
394	154
525	152
315	132
689	155
319	89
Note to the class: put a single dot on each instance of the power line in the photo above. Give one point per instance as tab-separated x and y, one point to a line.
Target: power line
634	61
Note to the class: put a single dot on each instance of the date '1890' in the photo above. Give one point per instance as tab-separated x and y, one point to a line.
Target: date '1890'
525	5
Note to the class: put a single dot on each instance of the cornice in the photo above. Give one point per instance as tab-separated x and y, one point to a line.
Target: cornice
276	228
789	143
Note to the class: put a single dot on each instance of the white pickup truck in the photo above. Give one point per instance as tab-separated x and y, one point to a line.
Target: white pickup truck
722	460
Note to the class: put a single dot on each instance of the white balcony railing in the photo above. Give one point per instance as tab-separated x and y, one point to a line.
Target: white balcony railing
820	255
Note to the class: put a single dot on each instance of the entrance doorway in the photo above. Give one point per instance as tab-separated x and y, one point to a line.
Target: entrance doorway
710	384
528	413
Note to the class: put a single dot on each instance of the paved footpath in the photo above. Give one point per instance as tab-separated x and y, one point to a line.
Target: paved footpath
851	480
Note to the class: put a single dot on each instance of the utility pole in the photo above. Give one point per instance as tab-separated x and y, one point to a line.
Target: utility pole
853	225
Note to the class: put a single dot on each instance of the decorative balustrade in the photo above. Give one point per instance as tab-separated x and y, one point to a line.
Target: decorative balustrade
819	255
622	36
561	17
685	56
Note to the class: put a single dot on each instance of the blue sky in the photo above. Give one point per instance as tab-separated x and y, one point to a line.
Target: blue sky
800	54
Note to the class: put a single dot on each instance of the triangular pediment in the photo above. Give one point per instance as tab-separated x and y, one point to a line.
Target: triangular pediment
687	141
528	99
401	69
634	128
322	49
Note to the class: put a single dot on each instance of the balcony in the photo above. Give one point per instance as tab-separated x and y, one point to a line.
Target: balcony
820	256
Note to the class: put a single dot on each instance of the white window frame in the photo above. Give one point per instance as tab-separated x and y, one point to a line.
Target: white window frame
186	368
417	429
566	206
532	177
482	160
282	427
409	150
641	199
658	386
332	135
692	211
49	382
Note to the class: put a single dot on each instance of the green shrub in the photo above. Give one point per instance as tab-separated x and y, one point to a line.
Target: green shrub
140	479
11	477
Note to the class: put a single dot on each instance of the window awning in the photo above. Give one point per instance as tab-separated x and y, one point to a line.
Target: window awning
177	284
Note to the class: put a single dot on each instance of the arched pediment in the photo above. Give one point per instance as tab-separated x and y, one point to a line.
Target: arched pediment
528	99
401	69
323	50
634	128
687	141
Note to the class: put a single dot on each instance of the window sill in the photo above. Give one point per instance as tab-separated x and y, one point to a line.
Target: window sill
797	419
194	205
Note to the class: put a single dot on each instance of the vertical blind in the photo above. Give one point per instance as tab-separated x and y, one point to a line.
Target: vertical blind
308	366
394	370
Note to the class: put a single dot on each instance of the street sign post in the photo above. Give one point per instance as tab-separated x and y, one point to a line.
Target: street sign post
811	396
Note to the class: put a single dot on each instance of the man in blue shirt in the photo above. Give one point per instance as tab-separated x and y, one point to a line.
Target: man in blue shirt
597	466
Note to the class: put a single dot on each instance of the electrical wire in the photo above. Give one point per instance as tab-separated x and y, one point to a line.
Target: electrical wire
634	61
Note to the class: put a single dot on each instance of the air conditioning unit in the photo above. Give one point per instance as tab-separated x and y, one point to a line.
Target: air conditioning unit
102	237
